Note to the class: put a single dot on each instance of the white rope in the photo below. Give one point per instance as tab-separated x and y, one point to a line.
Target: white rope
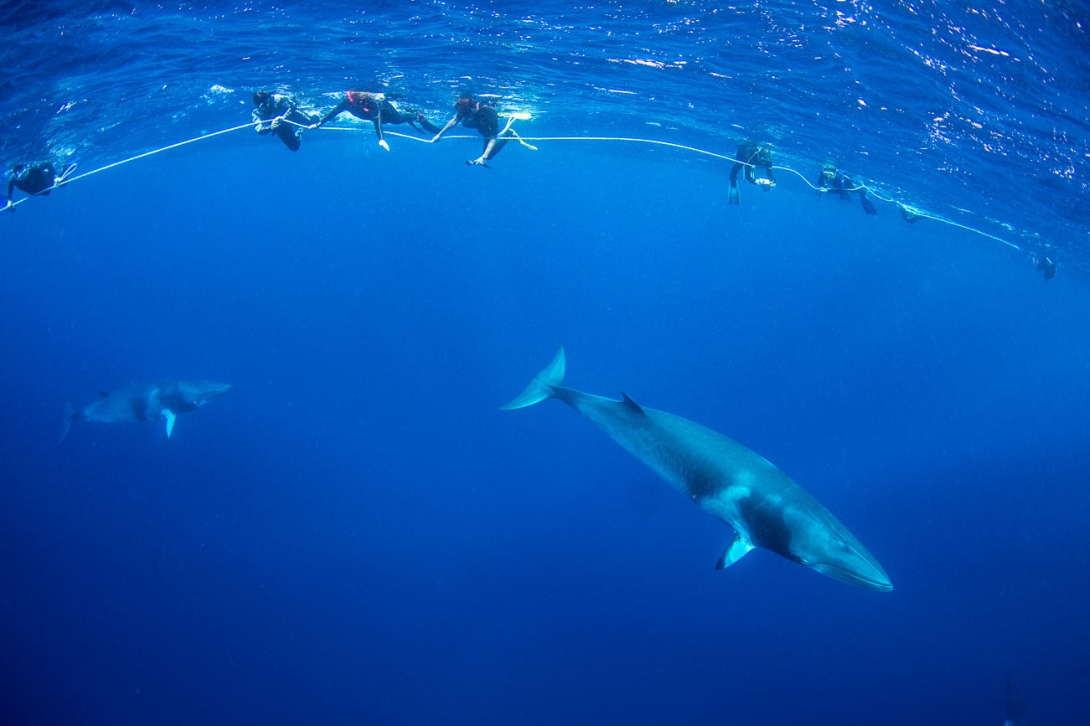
63	180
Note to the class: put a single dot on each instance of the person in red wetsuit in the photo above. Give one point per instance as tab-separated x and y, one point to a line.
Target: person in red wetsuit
376	108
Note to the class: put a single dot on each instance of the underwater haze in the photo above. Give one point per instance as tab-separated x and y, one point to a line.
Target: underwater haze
356	533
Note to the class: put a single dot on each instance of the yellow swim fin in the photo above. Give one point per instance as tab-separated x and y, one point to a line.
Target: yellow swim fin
519	139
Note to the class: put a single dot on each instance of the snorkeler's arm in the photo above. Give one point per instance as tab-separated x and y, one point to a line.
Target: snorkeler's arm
377	120
259	123
485	155
450	124
768	181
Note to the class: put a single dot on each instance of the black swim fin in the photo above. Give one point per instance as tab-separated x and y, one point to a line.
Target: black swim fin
867	206
428	125
733	198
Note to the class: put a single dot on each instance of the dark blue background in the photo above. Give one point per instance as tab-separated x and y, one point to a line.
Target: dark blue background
357	534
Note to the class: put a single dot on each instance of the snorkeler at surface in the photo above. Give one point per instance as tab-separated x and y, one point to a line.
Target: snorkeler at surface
909	214
375	107
36	180
833	179
1046	267
750	156
273	111
474	114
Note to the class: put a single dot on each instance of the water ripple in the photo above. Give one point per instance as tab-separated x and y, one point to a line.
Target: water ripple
932	100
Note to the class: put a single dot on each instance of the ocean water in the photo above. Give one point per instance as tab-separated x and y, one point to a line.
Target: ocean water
357	534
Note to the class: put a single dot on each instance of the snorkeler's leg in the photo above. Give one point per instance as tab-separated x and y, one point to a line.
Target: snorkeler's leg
334	112
286	133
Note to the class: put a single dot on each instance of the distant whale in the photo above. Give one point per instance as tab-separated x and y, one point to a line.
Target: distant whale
157	401
1016	711
742	489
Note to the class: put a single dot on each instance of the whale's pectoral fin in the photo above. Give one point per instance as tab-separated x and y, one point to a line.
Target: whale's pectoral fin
736	551
169	416
71	415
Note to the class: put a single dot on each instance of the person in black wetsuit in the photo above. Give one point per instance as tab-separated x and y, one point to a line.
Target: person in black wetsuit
749	157
1046	267
273	112
910	214
480	116
36	179
375	107
833	179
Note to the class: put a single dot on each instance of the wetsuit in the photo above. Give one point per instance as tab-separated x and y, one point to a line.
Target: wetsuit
748	158
1046	267
275	106
375	108
33	179
835	180
486	121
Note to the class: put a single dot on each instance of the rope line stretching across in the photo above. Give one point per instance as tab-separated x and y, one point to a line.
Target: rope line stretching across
64	178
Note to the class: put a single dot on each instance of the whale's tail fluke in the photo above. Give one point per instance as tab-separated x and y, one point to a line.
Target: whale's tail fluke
541	388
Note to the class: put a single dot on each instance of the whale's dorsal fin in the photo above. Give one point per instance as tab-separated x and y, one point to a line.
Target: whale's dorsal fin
630	404
169	416
103	393
736	551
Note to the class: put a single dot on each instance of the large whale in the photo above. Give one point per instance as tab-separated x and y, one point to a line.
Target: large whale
763	506
156	401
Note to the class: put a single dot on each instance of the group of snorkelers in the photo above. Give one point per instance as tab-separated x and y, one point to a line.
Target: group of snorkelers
279	114
751	156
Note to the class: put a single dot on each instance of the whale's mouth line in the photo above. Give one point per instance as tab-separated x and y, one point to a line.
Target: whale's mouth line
852	577
212	393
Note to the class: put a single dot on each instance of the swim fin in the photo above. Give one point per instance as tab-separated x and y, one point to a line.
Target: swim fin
518	138
428	125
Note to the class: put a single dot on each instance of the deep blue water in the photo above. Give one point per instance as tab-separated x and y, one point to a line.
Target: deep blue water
357	534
